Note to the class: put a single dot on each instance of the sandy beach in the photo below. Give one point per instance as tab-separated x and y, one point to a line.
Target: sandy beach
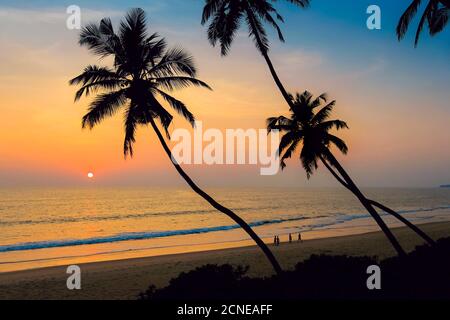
124	279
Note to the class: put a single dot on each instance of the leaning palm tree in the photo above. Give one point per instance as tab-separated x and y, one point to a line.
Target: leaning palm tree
311	129
226	17
144	70
435	15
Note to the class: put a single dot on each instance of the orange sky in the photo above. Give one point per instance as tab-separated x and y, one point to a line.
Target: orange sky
397	137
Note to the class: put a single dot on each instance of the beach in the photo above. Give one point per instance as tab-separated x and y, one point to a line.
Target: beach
125	279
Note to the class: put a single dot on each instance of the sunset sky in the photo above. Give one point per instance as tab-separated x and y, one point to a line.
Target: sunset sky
395	98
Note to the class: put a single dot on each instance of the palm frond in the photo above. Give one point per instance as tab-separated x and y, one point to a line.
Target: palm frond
105	105
94	73
178	106
406	18
324	113
99	85
264	9
100	39
132	30
332	124
439	20
130	125
224	26
176	82
211	7
338	142
154	48
318	101
159	112
308	158
175	61
288	154
300	3
279	123
425	17
94	78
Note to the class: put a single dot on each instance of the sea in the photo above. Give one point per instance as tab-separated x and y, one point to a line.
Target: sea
42	227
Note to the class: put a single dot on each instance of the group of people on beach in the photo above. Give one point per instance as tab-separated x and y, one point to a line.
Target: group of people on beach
276	239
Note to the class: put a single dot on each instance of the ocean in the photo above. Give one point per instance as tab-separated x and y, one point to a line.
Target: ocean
49	227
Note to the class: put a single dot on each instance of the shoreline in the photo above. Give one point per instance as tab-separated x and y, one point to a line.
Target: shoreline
125	279
226	239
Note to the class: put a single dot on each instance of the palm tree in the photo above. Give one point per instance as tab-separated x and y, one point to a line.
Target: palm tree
311	129
143	70
226	17
435	15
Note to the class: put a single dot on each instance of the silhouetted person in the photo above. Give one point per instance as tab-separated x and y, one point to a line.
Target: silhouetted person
290	238
275	240
300	237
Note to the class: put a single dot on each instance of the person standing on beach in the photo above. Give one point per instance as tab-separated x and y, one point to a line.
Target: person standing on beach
290	237
300	237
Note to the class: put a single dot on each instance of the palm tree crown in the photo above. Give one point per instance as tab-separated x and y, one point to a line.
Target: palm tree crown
227	15
143	70
435	15
309	128
312	129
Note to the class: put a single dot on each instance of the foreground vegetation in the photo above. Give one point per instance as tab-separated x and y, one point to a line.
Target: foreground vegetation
422	274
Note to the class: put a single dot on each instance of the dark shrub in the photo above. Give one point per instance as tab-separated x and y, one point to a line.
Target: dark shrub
423	274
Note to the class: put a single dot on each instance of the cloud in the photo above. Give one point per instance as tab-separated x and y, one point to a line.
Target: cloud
371	68
298	59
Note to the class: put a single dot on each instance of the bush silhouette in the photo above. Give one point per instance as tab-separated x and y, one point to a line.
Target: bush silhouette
422	274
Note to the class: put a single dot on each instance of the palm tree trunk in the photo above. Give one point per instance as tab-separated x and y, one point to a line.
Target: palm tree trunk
277	79
413	227
216	205
265	54
384	208
352	186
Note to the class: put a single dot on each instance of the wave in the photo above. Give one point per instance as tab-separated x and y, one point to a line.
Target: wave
113	252
93	218
133	236
337	219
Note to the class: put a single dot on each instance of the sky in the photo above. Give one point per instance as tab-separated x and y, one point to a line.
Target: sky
394	97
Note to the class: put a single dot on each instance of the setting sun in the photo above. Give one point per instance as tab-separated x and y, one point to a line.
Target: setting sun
90	175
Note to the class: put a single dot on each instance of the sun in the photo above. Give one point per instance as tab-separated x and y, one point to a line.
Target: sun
90	175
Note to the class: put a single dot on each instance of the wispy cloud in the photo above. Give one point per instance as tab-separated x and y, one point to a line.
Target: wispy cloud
298	59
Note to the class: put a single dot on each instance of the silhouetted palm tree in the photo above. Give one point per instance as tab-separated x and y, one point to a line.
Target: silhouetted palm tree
143	69
435	16
311	129
226	17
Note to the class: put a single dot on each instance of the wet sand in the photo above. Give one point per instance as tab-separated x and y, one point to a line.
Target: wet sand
124	279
